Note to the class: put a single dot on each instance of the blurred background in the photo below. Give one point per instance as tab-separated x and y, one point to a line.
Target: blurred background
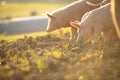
26	16
18	8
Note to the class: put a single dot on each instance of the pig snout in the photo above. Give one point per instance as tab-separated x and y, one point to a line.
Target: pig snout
49	29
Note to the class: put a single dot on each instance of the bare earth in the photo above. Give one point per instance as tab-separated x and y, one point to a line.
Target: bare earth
53	58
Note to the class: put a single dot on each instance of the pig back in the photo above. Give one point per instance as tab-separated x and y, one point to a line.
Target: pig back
102	16
74	11
107	17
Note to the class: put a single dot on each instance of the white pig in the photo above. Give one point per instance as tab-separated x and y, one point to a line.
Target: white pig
74	11
94	22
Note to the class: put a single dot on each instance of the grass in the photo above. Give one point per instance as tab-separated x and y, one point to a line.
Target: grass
18	10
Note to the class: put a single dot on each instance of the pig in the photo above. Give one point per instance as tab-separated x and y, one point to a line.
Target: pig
115	10
61	18
93	23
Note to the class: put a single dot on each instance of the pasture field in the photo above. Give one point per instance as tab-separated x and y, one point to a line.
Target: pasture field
43	56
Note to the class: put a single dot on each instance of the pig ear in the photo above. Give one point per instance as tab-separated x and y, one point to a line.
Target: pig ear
74	24
50	16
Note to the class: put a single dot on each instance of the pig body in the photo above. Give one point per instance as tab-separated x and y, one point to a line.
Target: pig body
94	22
62	17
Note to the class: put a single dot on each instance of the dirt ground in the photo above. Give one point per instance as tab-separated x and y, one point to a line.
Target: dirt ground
54	58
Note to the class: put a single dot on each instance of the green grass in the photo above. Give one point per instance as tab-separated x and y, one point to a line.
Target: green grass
18	10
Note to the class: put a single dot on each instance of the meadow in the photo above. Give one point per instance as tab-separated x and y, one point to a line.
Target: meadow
52	56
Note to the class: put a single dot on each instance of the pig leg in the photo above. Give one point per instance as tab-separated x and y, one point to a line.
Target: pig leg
73	34
96	34
107	37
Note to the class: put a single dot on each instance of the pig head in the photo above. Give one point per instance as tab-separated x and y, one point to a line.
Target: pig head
55	23
84	33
